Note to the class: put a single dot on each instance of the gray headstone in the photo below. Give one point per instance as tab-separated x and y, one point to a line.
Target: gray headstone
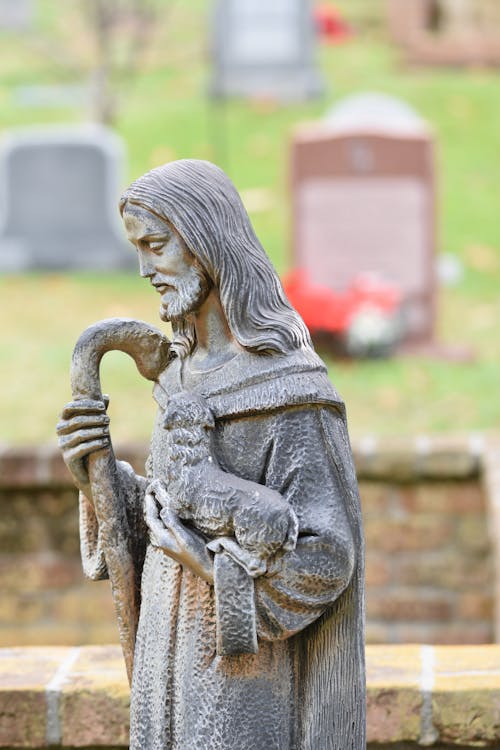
44	96
16	15
264	49
59	192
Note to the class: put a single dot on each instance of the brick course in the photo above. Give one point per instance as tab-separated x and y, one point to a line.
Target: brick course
80	697
431	561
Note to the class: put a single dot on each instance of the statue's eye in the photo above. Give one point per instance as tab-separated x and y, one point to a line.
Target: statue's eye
156	247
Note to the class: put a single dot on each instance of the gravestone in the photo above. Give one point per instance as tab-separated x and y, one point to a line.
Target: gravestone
264	49
58	200
408	19
446	32
16	15
363	202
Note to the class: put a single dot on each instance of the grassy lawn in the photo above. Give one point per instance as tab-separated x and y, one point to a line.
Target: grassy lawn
165	115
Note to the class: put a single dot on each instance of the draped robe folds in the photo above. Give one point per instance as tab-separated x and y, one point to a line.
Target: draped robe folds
279	423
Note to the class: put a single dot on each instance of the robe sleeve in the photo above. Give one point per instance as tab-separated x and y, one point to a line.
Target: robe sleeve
317	479
131	491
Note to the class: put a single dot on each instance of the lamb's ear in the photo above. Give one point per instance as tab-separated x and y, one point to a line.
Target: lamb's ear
209	422
169	416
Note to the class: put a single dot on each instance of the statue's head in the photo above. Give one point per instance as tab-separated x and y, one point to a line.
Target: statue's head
200	202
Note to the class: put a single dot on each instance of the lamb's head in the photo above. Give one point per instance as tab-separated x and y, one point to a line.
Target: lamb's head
186	411
189	421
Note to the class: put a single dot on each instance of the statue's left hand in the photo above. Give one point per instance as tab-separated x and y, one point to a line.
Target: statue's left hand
177	540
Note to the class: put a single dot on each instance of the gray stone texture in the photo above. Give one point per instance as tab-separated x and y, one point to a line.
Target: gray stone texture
226	654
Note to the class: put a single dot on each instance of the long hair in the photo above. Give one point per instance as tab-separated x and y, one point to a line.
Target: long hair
203	205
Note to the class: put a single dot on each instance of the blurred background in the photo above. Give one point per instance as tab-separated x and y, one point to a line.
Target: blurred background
364	138
146	69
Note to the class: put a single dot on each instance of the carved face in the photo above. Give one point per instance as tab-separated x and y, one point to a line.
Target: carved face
166	261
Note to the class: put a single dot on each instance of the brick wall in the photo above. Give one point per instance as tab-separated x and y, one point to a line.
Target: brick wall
445	696
430	559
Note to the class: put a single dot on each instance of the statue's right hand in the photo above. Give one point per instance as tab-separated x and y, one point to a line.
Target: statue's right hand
83	428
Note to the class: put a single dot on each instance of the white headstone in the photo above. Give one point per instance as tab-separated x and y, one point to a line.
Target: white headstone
264	49
59	190
16	15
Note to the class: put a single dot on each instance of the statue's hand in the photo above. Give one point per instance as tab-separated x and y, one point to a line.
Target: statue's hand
82	429
178	541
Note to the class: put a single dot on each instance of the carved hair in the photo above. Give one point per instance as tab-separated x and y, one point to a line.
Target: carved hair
203	205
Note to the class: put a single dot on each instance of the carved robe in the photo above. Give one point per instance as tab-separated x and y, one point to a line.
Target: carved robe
279	423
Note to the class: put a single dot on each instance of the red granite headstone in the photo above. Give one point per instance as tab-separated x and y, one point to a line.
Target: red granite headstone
364	202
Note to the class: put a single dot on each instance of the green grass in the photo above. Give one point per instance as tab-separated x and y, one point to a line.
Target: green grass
164	115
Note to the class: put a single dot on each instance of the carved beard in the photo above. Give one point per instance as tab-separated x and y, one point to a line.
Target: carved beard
186	297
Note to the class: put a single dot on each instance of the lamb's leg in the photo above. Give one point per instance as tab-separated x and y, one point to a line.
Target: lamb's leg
157	488
176	527
253	565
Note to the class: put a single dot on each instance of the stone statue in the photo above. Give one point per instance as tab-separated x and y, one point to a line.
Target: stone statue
236	563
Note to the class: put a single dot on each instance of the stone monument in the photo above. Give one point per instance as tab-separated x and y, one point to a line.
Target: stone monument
446	32
236	561
58	190
264	49
363	201
16	15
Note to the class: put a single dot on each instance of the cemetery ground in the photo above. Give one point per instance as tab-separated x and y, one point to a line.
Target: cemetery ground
164	115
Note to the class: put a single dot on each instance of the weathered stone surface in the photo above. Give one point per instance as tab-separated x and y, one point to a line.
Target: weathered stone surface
95	700
394	701
24	675
466	695
249	446
92	696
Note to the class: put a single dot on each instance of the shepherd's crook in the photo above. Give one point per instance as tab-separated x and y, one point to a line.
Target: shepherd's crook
150	350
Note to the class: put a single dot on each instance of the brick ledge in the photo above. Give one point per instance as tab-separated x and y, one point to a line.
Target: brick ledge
417	695
404	460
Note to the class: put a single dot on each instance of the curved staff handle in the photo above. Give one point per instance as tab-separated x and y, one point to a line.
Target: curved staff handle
150	350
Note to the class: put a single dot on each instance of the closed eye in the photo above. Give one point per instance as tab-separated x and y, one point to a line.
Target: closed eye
156	247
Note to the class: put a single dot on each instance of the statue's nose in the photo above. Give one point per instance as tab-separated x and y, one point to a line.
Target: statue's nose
146	268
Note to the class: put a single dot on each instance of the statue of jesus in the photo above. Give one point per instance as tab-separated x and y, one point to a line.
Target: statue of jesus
241	644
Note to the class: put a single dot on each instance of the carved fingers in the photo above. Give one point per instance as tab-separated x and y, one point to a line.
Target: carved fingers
177	540
159	534
82	429
157	488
